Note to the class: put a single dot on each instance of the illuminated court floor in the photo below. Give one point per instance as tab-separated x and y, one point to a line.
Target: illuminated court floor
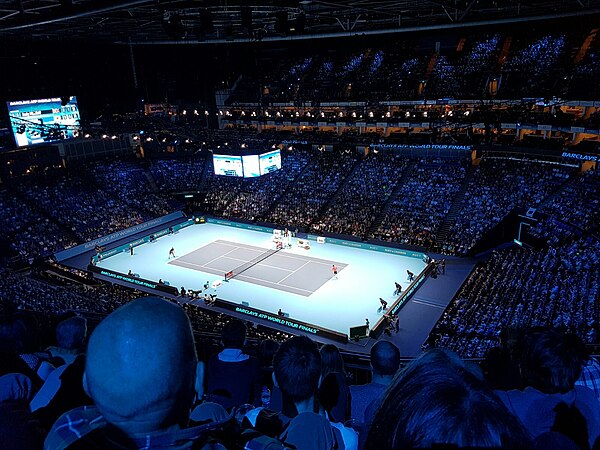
298	281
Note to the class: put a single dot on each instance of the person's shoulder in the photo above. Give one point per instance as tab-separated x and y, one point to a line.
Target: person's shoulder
346	435
309	418
586	394
72	426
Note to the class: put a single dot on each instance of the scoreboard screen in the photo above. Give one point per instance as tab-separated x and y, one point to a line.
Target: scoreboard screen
228	165
251	167
270	162
44	120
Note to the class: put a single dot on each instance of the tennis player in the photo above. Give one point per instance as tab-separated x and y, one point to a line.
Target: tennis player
334	269
172	252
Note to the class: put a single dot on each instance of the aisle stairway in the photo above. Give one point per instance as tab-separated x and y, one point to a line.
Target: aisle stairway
151	182
388	204
284	189
340	188
457	204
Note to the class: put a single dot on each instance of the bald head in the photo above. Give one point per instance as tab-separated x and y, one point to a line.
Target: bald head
141	366
385	358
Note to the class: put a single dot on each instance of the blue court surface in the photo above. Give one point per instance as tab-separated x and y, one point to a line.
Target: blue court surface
297	280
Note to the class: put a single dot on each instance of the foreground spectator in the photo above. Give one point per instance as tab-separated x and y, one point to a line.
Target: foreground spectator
550	364
70	339
385	362
334	394
441	400
297	366
141	371
18	430
233	378
590	376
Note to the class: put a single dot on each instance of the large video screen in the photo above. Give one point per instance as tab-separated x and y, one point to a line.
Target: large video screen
270	162
251	166
44	120
228	165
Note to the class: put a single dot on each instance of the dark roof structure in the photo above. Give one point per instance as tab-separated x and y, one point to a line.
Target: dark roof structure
213	21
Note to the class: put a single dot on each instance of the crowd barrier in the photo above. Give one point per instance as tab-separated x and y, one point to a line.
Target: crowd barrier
125	247
328	239
104	240
402	300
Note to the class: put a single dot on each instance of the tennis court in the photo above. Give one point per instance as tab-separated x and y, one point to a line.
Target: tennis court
297	274
296	280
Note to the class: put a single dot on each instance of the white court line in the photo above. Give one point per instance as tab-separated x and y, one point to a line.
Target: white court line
192	264
272	282
259	264
285	255
279	282
428	304
235	259
308	258
254	278
220	256
274	267
223	243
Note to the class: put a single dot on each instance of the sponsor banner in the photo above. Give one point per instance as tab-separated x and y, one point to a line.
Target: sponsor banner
421	147
293	325
142	240
294	142
329	240
79	249
401	301
245	226
580	156
134	280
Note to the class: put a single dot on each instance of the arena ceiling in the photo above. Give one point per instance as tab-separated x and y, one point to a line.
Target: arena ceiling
212	21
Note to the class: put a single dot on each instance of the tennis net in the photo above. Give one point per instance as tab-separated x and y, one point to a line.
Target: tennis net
247	265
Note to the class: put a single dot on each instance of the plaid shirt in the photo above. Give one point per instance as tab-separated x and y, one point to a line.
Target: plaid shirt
80	422
590	376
